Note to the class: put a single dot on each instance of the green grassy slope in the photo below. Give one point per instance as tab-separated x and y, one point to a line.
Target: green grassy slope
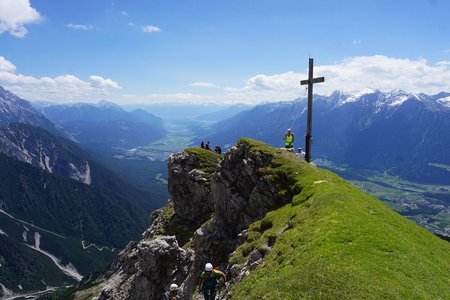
336	242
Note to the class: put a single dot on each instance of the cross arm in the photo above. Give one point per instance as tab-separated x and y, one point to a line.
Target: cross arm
315	80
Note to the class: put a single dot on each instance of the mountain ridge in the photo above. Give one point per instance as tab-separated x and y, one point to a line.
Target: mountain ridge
14	109
265	217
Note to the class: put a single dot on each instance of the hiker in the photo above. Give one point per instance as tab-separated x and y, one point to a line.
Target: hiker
207	146
218	150
172	294
208	281
289	140
301	154
202	144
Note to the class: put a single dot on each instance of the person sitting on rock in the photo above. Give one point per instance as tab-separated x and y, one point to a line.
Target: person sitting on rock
172	294
208	281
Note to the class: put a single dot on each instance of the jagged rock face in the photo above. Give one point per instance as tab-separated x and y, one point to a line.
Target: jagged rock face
240	194
40	149
189	188
144	269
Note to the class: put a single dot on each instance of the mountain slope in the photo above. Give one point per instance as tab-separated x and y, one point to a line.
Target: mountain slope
41	149
279	228
55	229
14	109
342	244
65	158
66	206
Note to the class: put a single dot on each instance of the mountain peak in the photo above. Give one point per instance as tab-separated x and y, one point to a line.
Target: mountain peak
356	97
105	104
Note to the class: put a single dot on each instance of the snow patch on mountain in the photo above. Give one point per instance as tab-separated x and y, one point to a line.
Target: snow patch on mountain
68	269
6	292
88	178
398	100
356	97
445	101
82	174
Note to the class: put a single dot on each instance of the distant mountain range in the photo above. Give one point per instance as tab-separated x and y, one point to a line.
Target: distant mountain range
404	133
106	127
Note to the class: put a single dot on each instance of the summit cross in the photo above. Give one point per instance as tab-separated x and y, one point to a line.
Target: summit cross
310	81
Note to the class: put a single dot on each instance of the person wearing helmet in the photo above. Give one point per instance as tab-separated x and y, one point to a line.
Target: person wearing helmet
289	140
172	294
208	281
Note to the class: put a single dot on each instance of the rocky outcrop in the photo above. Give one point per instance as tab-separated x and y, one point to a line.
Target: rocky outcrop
213	201
189	187
145	268
241	194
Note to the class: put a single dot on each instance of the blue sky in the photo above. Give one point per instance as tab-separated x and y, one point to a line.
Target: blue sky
219	51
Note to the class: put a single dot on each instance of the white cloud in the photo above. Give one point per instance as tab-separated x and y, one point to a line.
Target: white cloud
102	83
14	14
150	28
202	84
357	42
124	13
6	66
385	73
130	24
80	26
350	75
64	88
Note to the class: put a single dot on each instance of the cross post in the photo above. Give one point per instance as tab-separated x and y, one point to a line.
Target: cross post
310	81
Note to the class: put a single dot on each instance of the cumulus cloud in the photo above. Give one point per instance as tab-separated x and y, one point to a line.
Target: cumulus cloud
64	88
350	75
6	66
202	84
80	26
150	28
15	14
385	73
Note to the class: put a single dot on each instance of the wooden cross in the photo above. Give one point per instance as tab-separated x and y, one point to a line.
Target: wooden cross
310	81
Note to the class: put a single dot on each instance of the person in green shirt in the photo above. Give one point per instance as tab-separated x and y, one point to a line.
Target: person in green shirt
289	140
208	281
